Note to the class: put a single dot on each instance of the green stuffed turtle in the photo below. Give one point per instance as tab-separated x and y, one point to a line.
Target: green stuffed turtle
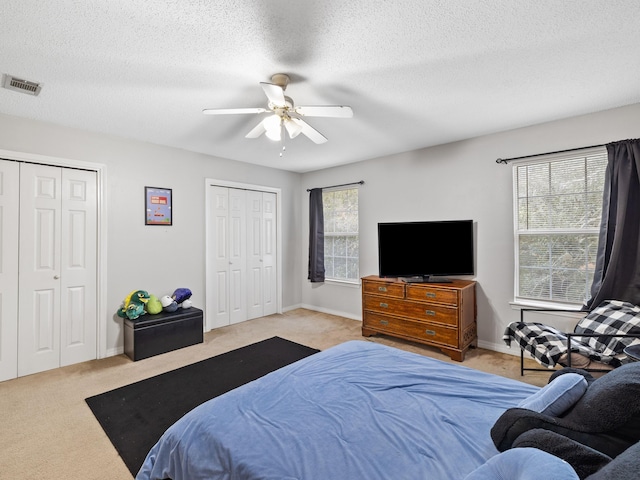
133	305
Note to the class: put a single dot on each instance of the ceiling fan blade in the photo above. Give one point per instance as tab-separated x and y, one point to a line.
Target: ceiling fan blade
257	130
314	135
274	93
336	111
232	111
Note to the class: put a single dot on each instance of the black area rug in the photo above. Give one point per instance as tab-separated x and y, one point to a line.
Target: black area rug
134	417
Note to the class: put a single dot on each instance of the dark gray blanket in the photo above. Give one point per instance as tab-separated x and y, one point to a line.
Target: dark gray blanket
605	421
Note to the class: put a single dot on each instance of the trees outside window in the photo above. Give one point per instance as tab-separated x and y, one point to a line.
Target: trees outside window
558	207
341	240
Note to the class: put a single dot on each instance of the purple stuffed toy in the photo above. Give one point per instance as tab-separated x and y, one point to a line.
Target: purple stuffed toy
181	294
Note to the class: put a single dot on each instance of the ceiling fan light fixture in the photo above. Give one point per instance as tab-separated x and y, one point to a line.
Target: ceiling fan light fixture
274	135
273	127
293	128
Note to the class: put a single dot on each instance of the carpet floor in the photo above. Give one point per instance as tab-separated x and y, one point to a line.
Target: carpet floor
135	416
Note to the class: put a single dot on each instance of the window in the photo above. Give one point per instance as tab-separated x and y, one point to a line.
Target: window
341	259
558	205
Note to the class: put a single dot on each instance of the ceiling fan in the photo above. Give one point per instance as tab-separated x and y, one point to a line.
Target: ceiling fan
284	113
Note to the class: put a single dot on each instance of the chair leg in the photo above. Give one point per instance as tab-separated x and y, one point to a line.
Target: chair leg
521	363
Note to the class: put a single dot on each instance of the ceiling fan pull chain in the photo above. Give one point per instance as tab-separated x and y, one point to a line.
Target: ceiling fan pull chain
284	147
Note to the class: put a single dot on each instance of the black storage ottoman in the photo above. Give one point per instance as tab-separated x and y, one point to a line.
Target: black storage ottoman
151	335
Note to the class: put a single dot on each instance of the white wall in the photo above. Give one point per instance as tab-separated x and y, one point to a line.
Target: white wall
456	181
155	258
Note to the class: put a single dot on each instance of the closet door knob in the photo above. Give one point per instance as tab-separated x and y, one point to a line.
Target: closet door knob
56	277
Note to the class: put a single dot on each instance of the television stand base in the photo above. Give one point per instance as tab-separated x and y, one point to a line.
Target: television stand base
426	279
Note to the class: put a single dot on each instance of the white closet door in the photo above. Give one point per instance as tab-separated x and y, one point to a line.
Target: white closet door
241	258
228	233
261	255
78	267
237	255
255	283
9	221
218	256
39	277
57	281
269	241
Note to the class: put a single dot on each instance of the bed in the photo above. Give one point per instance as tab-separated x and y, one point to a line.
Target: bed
357	410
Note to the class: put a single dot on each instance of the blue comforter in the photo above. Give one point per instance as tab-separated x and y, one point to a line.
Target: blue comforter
355	411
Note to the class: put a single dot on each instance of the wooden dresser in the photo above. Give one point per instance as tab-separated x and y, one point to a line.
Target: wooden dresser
442	315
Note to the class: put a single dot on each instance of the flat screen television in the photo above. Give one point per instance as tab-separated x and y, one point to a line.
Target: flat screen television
426	251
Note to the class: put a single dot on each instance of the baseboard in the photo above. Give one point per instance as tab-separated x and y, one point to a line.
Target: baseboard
500	348
331	312
291	307
112	352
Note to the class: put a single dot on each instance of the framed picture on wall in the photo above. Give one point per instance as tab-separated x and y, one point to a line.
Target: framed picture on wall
157	206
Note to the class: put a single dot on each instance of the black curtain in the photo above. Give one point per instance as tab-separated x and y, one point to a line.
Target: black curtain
316	236
617	271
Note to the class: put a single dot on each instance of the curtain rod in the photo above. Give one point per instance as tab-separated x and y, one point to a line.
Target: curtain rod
361	182
507	160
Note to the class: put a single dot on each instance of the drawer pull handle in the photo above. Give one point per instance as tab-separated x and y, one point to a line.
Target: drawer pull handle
382	289
384	305
430	312
431	295
384	322
430	332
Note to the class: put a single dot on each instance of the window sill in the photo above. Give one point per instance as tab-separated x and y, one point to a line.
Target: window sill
519	305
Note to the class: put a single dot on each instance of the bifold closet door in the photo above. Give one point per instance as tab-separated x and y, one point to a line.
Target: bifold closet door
241	254
228	233
79	267
218	232
57	268
261	243
9	222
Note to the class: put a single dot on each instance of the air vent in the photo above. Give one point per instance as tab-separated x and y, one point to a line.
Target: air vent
19	85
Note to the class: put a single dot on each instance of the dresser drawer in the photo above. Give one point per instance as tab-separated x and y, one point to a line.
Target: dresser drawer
429	312
425	293
387	289
414	330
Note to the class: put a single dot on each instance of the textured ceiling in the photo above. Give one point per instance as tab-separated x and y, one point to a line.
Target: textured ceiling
417	73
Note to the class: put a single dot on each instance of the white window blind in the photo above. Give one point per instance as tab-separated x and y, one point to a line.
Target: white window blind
341	240
558	207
